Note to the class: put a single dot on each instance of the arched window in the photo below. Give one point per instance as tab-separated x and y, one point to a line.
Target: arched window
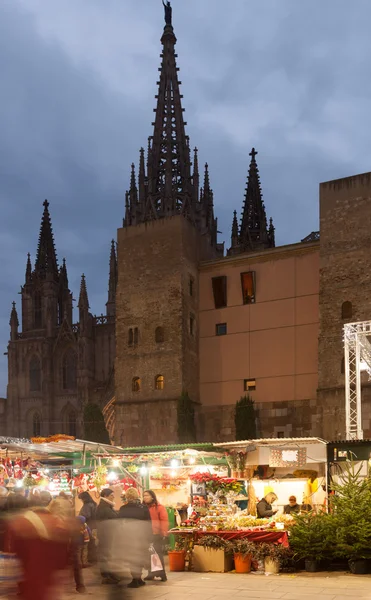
37	311
159	335
71	422
135	385
346	310
342	366
36	425
35	374
159	382
69	370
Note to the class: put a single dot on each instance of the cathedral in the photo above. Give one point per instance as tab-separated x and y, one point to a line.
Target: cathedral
186	317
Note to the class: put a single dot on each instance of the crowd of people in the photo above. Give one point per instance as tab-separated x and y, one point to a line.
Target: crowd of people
48	538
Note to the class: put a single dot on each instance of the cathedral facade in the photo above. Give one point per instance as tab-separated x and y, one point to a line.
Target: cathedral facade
184	316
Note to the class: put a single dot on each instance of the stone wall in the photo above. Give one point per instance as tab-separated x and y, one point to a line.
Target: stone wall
345	276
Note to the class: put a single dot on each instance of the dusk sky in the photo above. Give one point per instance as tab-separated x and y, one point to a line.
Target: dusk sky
78	79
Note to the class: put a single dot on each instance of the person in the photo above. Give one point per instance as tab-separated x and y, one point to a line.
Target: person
160	527
88	510
83	541
140	534
292	507
105	513
264	507
306	508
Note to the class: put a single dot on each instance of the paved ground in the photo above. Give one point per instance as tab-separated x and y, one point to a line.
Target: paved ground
213	586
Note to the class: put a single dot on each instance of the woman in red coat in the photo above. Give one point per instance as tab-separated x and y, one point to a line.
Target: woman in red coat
160	528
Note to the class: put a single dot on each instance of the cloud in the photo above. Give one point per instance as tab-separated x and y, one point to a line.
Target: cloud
77	94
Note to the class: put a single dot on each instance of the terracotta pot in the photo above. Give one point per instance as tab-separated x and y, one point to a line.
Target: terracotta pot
242	563
176	560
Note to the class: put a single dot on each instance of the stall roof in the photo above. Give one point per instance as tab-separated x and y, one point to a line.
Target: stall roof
60	447
271	442
202	447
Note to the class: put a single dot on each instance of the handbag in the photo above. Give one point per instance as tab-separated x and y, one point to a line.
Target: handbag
156	564
10	572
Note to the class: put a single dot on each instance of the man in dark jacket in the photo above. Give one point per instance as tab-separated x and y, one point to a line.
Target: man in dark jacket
264	507
88	510
292	507
105	513
137	526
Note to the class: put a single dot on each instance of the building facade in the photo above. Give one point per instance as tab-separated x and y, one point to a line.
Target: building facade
184	316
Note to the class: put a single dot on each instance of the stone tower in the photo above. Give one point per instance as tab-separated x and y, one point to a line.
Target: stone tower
169	226
55	366
345	290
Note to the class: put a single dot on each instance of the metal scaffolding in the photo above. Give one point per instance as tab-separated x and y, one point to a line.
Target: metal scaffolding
357	355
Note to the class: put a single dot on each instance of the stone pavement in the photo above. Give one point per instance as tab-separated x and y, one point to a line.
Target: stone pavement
214	586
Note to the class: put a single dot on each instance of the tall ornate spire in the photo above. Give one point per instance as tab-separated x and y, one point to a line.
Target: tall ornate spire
235	231
112	281
28	277
46	258
63	277
83	303
254	233
169	186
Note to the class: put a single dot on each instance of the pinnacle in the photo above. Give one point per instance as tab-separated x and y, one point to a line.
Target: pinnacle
46	258
83	298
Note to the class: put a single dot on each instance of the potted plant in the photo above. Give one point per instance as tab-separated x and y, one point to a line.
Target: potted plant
265	554
178	555
243	551
351	508
312	539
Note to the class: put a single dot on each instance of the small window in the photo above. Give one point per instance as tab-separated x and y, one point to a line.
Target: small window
346	310
249	385
159	335
280	434
221	329
136	384
191	286
248	287
37	308
35	374
130	337
159	382
191	325
342	366
220	291
36	425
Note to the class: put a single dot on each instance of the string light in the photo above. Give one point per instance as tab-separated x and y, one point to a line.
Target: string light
174	463
111	476
143	470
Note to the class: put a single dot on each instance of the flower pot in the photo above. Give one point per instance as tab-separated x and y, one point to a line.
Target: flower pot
242	563
358	567
311	565
177	560
271	566
241	474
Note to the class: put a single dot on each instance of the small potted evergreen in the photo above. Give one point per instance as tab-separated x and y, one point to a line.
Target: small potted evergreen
312	539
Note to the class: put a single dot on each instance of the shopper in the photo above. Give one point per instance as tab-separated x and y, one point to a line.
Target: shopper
89	510
137	527
160	527
264	507
105	515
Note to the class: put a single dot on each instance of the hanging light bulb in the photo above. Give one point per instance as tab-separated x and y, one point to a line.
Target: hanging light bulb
111	476
19	483
173	473
143	470
116	462
192	460
174	463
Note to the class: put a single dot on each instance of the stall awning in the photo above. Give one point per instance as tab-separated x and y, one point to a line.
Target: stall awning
295	441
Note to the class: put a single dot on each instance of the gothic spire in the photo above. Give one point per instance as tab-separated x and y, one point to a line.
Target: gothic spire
254	231
142	177
28	269
235	231
196	176
112	281
46	257
83	303
63	277
14	323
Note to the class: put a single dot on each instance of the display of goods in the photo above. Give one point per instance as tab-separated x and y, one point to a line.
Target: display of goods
286	519
249	522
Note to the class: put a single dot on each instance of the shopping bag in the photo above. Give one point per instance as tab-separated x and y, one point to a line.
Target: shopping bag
156	564
10	572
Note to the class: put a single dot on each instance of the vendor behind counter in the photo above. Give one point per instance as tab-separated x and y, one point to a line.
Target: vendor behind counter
292	507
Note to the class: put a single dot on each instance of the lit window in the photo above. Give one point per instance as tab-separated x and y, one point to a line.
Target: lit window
159	382
135	385
69	370
248	287
249	385
35	374
192	325
36	425
346	310
220	291
159	335
221	329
